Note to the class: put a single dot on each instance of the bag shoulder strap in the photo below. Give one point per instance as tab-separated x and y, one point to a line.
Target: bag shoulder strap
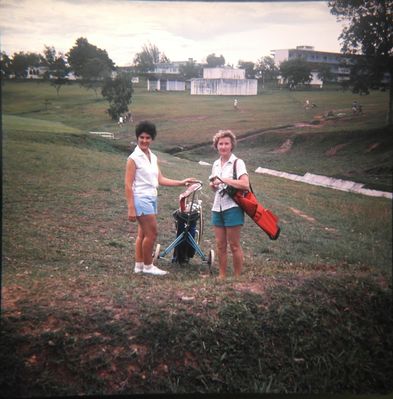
235	174
234	170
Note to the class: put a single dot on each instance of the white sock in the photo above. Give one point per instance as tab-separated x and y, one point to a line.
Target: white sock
147	266
139	264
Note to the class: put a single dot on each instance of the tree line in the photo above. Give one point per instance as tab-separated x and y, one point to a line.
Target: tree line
92	64
94	69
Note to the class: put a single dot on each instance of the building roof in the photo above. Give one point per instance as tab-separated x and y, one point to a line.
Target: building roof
307	49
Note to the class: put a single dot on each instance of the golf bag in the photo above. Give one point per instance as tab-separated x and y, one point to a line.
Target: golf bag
263	217
184	251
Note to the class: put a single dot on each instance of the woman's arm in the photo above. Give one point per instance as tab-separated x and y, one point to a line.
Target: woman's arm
243	183
164	181
128	183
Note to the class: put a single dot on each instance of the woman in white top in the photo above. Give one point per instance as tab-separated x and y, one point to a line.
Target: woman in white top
227	216
142	178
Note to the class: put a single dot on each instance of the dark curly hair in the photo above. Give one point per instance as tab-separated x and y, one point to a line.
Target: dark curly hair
146	127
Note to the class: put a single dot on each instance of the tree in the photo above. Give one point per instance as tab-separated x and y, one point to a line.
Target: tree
150	55
324	73
118	92
266	70
57	68
5	65
49	55
296	71
367	42
190	70
90	63
249	68
214	61
164	58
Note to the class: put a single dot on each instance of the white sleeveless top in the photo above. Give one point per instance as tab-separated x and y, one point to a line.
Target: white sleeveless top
146	173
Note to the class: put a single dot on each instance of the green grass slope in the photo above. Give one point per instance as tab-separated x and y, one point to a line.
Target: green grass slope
363	156
310	314
11	122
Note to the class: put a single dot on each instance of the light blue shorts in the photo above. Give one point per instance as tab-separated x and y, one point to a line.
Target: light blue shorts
145	205
228	218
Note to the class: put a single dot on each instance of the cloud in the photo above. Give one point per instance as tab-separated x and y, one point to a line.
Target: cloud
180	29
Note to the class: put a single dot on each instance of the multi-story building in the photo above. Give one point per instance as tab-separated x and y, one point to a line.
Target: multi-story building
166	76
336	61
169	67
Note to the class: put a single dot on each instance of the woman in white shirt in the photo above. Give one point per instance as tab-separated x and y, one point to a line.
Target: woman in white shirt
227	216
142	178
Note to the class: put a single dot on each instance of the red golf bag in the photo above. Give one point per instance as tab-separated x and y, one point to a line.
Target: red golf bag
263	217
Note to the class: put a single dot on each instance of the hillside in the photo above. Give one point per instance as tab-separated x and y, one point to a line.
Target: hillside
310	314
363	156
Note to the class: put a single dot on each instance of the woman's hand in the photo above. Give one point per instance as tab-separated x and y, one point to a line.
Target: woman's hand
189	180
213	186
131	215
214	183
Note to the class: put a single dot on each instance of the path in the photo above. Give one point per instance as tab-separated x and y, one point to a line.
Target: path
329	182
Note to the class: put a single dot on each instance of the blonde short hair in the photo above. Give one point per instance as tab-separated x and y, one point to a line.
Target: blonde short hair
222	134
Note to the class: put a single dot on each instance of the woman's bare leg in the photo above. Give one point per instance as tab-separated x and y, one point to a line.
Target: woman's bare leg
221	244
148	227
138	245
233	234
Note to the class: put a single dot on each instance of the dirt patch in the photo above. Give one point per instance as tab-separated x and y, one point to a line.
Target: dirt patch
304	124
11	296
372	147
284	147
191	118
303	215
331	152
258	287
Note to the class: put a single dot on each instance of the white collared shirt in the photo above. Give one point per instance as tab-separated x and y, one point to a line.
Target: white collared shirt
222	203
146	173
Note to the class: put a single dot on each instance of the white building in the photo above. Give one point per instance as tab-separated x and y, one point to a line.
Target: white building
166	77
224	73
36	72
165	84
224	81
315	58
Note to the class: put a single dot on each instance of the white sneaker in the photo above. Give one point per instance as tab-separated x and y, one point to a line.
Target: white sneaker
138	269
154	270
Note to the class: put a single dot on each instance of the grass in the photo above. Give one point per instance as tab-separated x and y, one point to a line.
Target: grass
363	156
310	314
185	119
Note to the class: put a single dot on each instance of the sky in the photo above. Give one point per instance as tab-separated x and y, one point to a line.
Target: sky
244	31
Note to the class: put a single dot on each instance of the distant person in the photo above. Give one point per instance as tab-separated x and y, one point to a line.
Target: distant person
357	108
129	117
120	123
235	102
142	178
227	217
307	104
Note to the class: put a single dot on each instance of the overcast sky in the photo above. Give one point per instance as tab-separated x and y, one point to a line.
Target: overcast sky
239	31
